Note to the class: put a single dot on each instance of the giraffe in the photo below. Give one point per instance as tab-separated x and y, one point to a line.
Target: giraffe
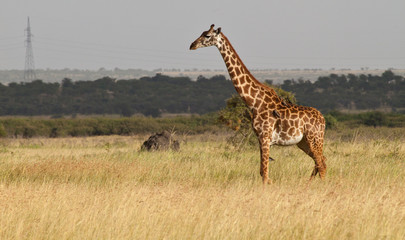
275	121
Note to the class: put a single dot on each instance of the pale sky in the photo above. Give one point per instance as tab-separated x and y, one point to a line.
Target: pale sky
148	34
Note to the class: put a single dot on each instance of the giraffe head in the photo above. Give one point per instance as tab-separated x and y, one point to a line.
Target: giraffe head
207	38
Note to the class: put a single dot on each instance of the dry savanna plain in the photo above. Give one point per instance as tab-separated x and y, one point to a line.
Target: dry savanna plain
106	188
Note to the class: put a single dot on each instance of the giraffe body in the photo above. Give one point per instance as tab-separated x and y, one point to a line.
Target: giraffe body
275	122
277	138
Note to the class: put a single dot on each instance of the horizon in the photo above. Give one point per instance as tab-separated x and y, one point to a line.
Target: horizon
207	70
275	75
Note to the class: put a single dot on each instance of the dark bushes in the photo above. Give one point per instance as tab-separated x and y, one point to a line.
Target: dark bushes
29	127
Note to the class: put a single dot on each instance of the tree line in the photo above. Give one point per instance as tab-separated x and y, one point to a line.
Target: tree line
356	92
152	96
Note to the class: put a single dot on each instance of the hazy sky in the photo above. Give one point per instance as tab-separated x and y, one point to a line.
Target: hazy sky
148	34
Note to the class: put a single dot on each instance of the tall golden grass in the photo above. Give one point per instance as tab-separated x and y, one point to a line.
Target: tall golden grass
105	188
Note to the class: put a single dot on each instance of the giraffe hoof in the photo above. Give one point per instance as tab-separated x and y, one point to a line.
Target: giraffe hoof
271	159
267	182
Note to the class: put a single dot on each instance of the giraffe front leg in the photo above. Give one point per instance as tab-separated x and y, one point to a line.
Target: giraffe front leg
264	160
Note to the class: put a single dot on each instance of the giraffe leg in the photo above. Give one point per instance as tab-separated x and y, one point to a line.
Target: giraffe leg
313	148
264	159
322	174
314	172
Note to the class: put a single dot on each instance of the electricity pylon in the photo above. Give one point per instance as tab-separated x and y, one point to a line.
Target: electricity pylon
29	73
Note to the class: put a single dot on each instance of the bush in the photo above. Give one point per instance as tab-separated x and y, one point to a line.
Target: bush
29	132
3	132
374	119
27	128
237	116
331	121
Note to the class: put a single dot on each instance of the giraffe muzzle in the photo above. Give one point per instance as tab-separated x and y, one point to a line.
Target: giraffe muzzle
193	46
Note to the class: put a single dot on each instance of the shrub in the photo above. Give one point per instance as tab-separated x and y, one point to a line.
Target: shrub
29	132
374	119
27	128
237	116
331	121
3	132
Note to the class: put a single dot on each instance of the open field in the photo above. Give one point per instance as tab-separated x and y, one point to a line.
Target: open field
105	188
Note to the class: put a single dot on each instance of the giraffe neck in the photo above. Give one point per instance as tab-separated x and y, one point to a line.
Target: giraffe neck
248	87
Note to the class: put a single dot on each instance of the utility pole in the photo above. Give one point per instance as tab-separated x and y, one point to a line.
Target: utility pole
29	73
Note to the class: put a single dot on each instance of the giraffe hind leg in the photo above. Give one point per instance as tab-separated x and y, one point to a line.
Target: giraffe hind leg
314	149
314	172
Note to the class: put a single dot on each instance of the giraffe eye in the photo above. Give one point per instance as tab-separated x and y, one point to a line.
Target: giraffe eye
206	36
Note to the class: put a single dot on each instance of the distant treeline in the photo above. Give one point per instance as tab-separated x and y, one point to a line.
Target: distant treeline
363	92
152	96
55	75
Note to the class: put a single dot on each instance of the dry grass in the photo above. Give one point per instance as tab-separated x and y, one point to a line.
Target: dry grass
104	188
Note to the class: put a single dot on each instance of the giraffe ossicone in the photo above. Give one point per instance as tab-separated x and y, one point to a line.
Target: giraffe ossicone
275	121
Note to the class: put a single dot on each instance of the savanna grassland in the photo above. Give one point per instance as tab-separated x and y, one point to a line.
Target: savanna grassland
106	188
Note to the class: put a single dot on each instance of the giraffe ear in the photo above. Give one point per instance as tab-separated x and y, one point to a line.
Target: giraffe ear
219	30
